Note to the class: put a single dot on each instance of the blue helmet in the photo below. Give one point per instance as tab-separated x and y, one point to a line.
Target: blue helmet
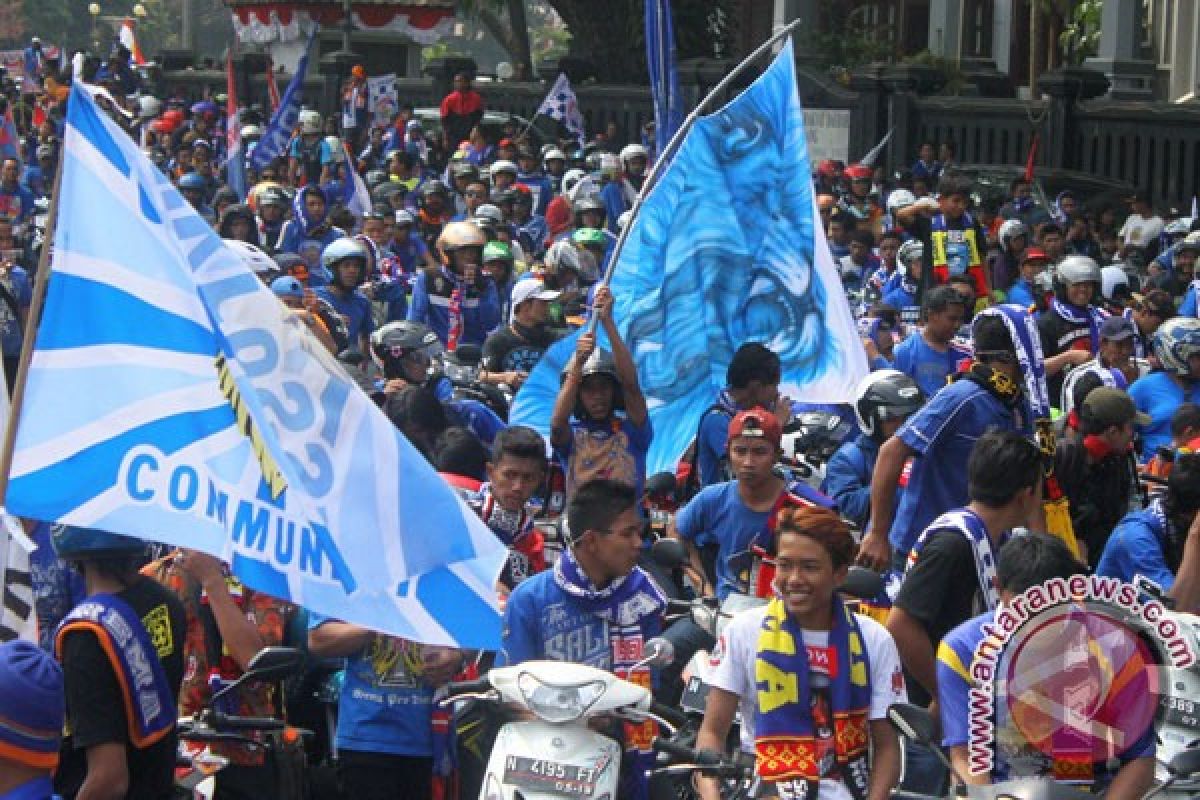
71	542
340	250
192	181
287	286
1175	342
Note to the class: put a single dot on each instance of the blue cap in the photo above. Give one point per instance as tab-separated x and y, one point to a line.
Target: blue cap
287	286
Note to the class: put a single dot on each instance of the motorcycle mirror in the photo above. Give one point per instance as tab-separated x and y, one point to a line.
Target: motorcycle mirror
669	553
1185	764
912	722
268	664
659	652
862	582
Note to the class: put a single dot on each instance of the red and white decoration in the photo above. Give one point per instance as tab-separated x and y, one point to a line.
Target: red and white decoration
268	23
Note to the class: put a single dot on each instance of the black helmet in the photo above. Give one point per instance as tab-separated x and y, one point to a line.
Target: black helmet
600	362
432	187
384	192
883	395
464	169
394	342
274	196
821	433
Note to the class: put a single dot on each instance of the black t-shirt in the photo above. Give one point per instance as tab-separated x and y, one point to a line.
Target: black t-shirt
940	590
95	706
1059	335
505	350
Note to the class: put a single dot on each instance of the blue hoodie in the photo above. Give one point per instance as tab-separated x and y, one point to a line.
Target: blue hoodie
302	229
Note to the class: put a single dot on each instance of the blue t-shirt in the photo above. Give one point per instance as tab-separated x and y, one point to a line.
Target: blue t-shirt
384	707
16	203
410	252
928	367
541	621
57	588
954	683
718	516
712	442
1187	306
1158	395
355	308
12	333
1021	293
848	478
613	449
1135	547
942	434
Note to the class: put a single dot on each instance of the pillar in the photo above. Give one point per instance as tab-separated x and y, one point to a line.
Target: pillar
1118	56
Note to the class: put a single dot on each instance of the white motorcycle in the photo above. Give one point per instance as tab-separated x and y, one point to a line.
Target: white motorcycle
556	754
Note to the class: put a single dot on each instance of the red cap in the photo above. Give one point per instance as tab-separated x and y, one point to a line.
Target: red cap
1034	253
756	422
505	143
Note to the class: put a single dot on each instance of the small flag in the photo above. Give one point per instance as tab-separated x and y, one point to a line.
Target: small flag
1031	158
283	121
664	77
272	85
382	98
235	163
562	106
129	41
869	159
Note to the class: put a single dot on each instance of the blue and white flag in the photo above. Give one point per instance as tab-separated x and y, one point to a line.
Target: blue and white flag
283	121
696	281
664	77
235	162
560	104
172	397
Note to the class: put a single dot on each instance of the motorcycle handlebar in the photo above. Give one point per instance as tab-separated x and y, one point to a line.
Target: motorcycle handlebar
455	688
672	715
679	752
230	722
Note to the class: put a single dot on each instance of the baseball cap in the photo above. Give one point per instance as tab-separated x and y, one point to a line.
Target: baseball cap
758	423
287	286
32	705
1117	329
1105	406
531	289
1034	254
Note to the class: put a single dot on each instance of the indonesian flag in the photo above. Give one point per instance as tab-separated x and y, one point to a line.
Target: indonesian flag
129	41
272	86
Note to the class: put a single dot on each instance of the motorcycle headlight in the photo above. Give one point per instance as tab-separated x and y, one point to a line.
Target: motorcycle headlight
555	703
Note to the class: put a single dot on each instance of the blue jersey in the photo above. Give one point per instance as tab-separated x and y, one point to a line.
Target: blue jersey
848	478
1135	547
480	310
928	367
1158	395
718	516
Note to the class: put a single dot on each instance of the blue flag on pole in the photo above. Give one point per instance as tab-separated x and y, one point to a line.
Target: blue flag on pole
696	281
172	397
283	121
664	77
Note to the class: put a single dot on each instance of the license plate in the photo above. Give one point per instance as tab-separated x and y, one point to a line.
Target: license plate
538	774
1180	712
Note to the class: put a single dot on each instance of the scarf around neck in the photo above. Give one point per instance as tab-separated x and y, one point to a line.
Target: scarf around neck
788	724
967	523
1080	316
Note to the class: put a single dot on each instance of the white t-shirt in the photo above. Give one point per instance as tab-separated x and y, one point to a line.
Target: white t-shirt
1140	231
733	670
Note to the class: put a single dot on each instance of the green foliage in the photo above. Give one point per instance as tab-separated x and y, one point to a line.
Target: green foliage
844	41
1080	37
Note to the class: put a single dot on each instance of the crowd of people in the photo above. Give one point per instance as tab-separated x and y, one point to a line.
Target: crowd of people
1031	364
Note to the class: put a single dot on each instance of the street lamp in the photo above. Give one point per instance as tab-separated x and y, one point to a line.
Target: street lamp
94	10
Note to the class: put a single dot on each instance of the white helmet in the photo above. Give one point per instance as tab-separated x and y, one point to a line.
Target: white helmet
251	131
502	166
900	198
1110	279
554	154
631	151
609	165
908	252
149	107
571	178
1011	229
310	122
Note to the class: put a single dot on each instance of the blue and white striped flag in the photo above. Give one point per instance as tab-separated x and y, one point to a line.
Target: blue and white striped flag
171	397
283	121
560	104
664	77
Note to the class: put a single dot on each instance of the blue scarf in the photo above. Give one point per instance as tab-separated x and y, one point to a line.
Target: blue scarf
1028	344
967	523
140	675
300	212
1080	316
786	726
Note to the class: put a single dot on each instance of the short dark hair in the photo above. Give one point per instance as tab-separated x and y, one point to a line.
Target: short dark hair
962	280
1002	463
955	183
596	504
1032	559
459	452
1185	417
1052	227
1183	484
890	235
863	237
942	297
844	219
518	441
753	361
416	406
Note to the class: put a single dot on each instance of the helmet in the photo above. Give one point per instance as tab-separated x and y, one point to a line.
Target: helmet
1077	269
600	362
858	172
1175	342
592	161
1111	279
464	170
252	131
908	252
192	182
384	192
81	544
393	342
456	236
310	122
821	434
405	217
489	214
149	107
253	257
497	251
1189	242
632	151
883	395
502	166
589	237
570	178
375	177
900	198
273	196
588	202
563	255
609	165
1178	228
339	250
1010	230
433	186
554	154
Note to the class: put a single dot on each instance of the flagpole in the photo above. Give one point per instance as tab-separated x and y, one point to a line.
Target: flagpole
665	156
40	280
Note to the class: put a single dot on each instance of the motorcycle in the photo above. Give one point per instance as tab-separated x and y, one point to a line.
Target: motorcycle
461	367
195	775
915	724
553	753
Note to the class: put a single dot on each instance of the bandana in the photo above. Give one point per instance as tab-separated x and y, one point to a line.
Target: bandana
793	713
454	312
969	524
526	555
1080	316
308	226
1139	344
